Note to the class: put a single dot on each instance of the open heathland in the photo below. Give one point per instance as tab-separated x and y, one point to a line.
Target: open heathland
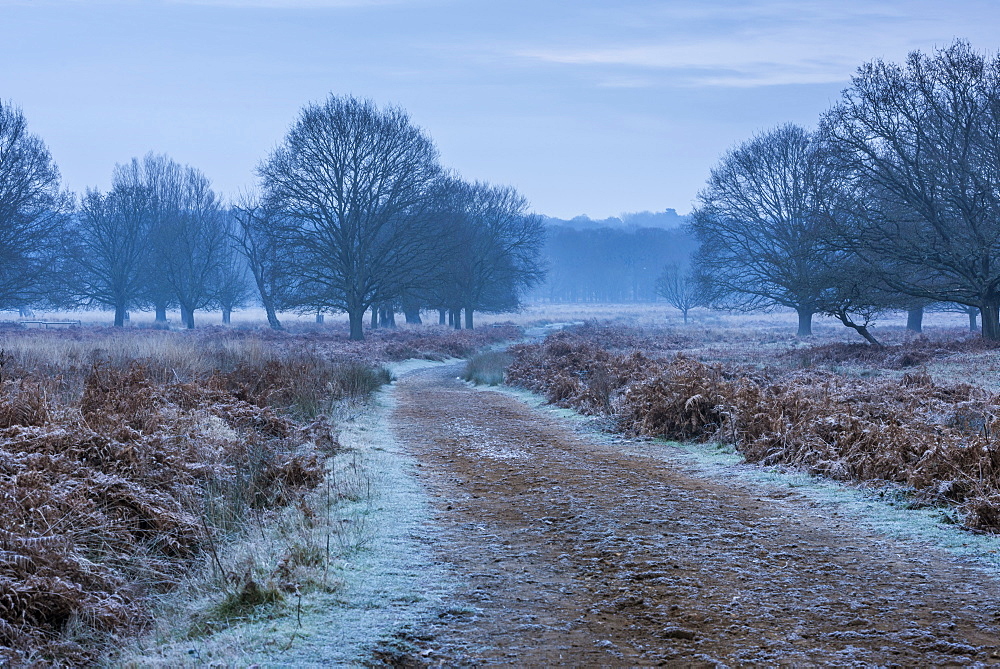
911	414
130	459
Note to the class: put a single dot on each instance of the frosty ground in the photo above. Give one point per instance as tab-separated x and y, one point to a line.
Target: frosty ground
506	531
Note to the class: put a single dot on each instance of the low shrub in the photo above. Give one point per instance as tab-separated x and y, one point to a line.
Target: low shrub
487	368
358	380
912	353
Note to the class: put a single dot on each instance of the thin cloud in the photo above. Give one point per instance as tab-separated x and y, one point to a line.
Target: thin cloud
755	44
714	63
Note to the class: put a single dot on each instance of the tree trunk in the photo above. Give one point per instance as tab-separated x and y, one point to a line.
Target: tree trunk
863	331
915	319
805	322
442	316
991	321
226	316
685	312
387	317
161	313
184	316
973	319
456	318
120	314
319	318
413	316
189	320
357	318
468	318
860	329
272	317
374	324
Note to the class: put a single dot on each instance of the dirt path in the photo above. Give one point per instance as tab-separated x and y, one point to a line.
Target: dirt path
572	552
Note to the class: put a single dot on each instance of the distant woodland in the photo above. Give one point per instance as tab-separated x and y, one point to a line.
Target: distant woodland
613	260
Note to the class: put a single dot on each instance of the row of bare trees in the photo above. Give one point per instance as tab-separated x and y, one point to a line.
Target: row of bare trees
353	213
159	238
893	203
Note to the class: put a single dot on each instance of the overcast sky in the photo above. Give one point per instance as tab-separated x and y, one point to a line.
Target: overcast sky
587	107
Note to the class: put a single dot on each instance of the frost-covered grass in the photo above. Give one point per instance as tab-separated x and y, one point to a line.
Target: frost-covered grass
371	517
487	368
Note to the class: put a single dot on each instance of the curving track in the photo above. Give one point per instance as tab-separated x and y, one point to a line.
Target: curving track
571	551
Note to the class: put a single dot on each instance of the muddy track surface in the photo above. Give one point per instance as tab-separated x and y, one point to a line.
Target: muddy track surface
569	551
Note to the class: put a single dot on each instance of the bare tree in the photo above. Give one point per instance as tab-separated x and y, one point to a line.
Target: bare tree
440	287
187	233
680	289
110	255
922	142
232	284
497	254
761	223
772	227
853	290
32	210
153	177
353	180
258	237
195	243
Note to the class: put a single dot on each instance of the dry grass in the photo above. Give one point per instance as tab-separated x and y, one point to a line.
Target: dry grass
109	499
130	460
942	440
487	368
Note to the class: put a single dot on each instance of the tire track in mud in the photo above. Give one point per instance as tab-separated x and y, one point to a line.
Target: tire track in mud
570	551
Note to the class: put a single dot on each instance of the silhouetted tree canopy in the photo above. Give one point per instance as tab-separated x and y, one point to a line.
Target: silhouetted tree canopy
353	181
495	247
186	238
921	141
760	224
32	211
110	253
258	237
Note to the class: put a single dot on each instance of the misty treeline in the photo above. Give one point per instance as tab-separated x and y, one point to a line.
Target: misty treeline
610	264
892	203
352	212
667	219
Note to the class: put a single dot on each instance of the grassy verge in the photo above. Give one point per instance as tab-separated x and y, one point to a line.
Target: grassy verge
367	578
128	461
